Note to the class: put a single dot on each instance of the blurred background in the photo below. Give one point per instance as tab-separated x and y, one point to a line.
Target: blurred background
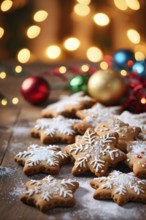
57	30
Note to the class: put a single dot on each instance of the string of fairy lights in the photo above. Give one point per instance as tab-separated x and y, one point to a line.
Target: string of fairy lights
53	52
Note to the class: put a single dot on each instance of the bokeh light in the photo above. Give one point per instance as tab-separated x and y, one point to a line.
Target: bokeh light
94	54
72	43
133	4
18	69
3	75
81	9
121	5
33	31
104	65
85	67
84	2
62	69
4	102
53	51
40	16
15	100
6	5
133	36
23	55
1	32
101	19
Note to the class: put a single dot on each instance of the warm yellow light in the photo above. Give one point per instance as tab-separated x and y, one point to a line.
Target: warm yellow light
40	16
23	55
104	65
139	55
62	69
85	68
133	4
15	100
101	19
4	102
133	36
3	75
143	101
84	2
6	5
121	5
81	9
18	69
123	72
72	44
53	51
1	32
94	54
33	31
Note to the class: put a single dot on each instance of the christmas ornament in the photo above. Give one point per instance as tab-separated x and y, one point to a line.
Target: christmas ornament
123	59
107	86
35	89
140	68
79	83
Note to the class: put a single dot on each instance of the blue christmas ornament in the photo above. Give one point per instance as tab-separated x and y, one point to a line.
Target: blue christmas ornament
140	68
121	59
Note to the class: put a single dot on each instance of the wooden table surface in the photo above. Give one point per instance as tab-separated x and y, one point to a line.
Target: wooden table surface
15	123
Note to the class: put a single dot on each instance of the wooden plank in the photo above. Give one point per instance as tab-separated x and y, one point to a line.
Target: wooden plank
8	117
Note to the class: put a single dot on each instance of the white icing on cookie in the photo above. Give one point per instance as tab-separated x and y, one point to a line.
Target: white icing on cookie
94	150
59	124
36	154
72	100
121	182
50	187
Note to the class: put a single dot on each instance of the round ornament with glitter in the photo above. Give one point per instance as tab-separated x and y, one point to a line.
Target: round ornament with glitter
107	87
123	59
79	83
35	89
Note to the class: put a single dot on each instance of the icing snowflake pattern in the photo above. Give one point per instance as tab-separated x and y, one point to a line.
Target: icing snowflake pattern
73	100
59	124
36	154
50	187
94	149
120	182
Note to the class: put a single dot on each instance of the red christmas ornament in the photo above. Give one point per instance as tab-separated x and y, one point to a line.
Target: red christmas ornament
35	89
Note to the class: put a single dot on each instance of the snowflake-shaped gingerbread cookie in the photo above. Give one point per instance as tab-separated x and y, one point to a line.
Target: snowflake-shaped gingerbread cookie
68	105
46	159
95	153
50	193
137	157
125	131
121	187
54	130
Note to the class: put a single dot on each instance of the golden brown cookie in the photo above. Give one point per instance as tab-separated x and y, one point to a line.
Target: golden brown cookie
49	193
100	110
55	130
95	153
68	105
121	187
137	157
46	159
126	132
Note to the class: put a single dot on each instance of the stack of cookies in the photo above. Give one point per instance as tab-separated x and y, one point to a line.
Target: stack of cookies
97	139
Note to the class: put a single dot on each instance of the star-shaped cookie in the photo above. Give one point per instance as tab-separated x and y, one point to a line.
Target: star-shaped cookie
54	130
46	159
137	157
95	153
49	193
68	105
121	187
99	109
125	131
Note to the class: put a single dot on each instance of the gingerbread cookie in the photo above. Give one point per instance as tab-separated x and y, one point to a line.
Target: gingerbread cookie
95	153
68	105
99	109
137	157
121	187
49	193
54	130
126	132
46	159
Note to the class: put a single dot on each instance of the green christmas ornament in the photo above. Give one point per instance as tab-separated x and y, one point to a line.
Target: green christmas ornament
79	83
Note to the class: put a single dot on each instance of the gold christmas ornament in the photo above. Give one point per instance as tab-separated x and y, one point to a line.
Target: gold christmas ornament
107	86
